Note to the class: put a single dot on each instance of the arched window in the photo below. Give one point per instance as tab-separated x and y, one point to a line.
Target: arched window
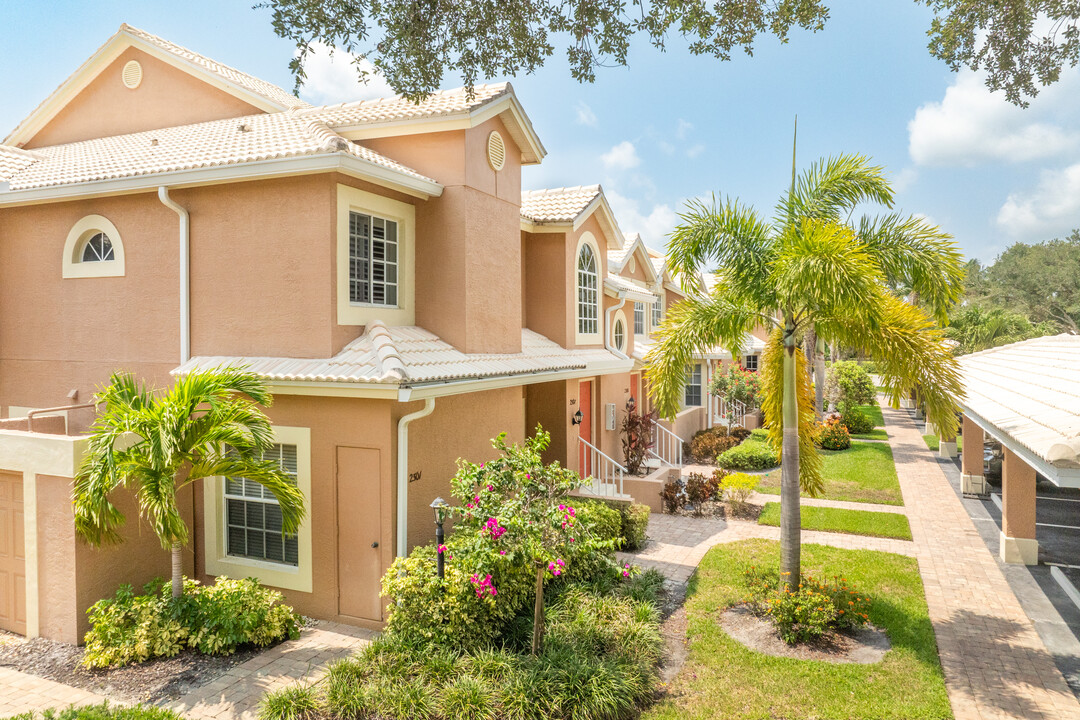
588	296
98	249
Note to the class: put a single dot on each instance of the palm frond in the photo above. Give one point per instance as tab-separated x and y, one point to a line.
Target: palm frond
266	473
831	188
772	407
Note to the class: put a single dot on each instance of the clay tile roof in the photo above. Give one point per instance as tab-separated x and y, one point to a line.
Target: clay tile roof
185	147
271	92
410	355
557	205
395	109
1030	391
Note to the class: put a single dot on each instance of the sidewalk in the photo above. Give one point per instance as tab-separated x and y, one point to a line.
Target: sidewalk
20	693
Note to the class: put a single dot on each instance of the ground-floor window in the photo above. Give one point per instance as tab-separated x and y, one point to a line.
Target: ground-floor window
692	396
253	518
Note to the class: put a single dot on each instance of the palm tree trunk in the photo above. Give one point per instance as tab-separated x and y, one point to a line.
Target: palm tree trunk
819	375
538	612
177	571
790	522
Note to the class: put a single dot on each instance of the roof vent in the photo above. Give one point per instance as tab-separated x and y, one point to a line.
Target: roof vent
496	150
244	127
154	141
132	74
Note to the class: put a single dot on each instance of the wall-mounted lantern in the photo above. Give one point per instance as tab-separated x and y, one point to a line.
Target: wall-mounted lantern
577	418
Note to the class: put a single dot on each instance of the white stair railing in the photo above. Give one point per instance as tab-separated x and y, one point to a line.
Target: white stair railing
666	446
605	472
729	413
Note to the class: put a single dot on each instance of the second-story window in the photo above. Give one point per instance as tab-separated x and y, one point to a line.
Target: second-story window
639	318
657	313
373	260
588	296
98	249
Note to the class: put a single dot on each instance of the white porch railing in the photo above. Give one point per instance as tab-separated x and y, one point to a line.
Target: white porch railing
666	446
727	413
604	472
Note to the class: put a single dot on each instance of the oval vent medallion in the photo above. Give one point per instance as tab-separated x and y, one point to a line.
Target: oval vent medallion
132	74
496	150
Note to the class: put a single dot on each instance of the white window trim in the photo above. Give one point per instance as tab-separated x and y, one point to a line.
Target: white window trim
700	385
757	361
620	317
83	230
581	338
659	304
219	562
646	314
349	200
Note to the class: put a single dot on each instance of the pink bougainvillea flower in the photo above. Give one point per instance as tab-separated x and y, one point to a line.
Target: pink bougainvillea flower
441	549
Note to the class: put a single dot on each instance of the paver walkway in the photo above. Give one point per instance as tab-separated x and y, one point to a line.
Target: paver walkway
995	664
236	694
20	693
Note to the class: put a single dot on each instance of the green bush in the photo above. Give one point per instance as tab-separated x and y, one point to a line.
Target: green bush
635	526
809	612
214	619
856	421
832	435
736	489
847	384
604	520
104	711
754	453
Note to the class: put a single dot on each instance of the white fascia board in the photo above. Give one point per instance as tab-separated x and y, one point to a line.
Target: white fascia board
1062	477
237	172
374	391
532	226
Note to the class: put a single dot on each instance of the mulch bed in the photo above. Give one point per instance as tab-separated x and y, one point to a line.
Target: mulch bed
149	682
865	646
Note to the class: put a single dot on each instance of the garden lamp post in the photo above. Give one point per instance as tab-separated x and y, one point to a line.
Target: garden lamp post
439	506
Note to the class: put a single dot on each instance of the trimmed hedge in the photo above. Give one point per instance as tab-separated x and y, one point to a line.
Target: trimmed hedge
754	453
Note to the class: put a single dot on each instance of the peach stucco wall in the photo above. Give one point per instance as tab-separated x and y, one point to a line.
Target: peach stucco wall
544	279
166	97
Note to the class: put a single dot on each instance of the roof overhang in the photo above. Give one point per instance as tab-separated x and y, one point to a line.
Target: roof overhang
1060	476
644	260
505	106
604	216
105	55
634	293
237	172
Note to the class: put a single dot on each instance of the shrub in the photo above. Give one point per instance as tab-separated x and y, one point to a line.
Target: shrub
290	703
737	488
754	453
832	435
214	619
847	384
739	433
637	438
673	495
856	421
699	489
812	610
104	711
635	526
604	521
705	445
733	383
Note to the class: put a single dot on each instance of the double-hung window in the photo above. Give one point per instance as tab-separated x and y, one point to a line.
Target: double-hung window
692	396
657	313
373	260
639	318
253	517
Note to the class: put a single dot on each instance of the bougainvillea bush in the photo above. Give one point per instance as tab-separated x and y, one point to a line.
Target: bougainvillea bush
733	383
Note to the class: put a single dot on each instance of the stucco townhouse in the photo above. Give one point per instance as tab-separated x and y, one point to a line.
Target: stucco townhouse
376	262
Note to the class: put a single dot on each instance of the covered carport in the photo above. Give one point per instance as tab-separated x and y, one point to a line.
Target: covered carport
1026	396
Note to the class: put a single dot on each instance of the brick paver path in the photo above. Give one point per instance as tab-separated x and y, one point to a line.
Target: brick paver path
236	694
995	664
20	693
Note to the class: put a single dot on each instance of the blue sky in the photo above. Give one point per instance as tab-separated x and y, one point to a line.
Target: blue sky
673	126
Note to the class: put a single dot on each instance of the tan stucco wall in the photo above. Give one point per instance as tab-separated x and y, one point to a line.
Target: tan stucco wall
461	426
613	389
548	404
546	274
165	97
58	611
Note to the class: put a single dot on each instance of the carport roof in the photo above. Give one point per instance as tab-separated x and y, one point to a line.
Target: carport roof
1029	392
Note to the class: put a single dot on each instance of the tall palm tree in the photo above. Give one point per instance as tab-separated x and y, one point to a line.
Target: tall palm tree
203	426
811	267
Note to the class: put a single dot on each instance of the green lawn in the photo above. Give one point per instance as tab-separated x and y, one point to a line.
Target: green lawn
863	473
854	522
933	442
878	433
724	679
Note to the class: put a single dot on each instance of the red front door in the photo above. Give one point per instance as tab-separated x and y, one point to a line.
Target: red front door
585	428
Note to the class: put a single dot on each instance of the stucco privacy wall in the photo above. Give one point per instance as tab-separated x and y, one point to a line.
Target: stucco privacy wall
548	405
468	260
334	423
461	426
166	97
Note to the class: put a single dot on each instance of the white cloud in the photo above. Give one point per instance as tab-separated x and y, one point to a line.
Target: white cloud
971	125
333	76
683	128
904	179
585	114
621	157
654	223
695	150
1051	210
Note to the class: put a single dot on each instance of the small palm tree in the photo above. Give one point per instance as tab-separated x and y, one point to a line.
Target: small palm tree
811	270
154	445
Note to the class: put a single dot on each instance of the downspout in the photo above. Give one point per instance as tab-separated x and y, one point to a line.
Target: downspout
607	327
185	272
403	474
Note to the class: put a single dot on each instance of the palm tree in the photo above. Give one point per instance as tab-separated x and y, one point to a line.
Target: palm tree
808	268
154	445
